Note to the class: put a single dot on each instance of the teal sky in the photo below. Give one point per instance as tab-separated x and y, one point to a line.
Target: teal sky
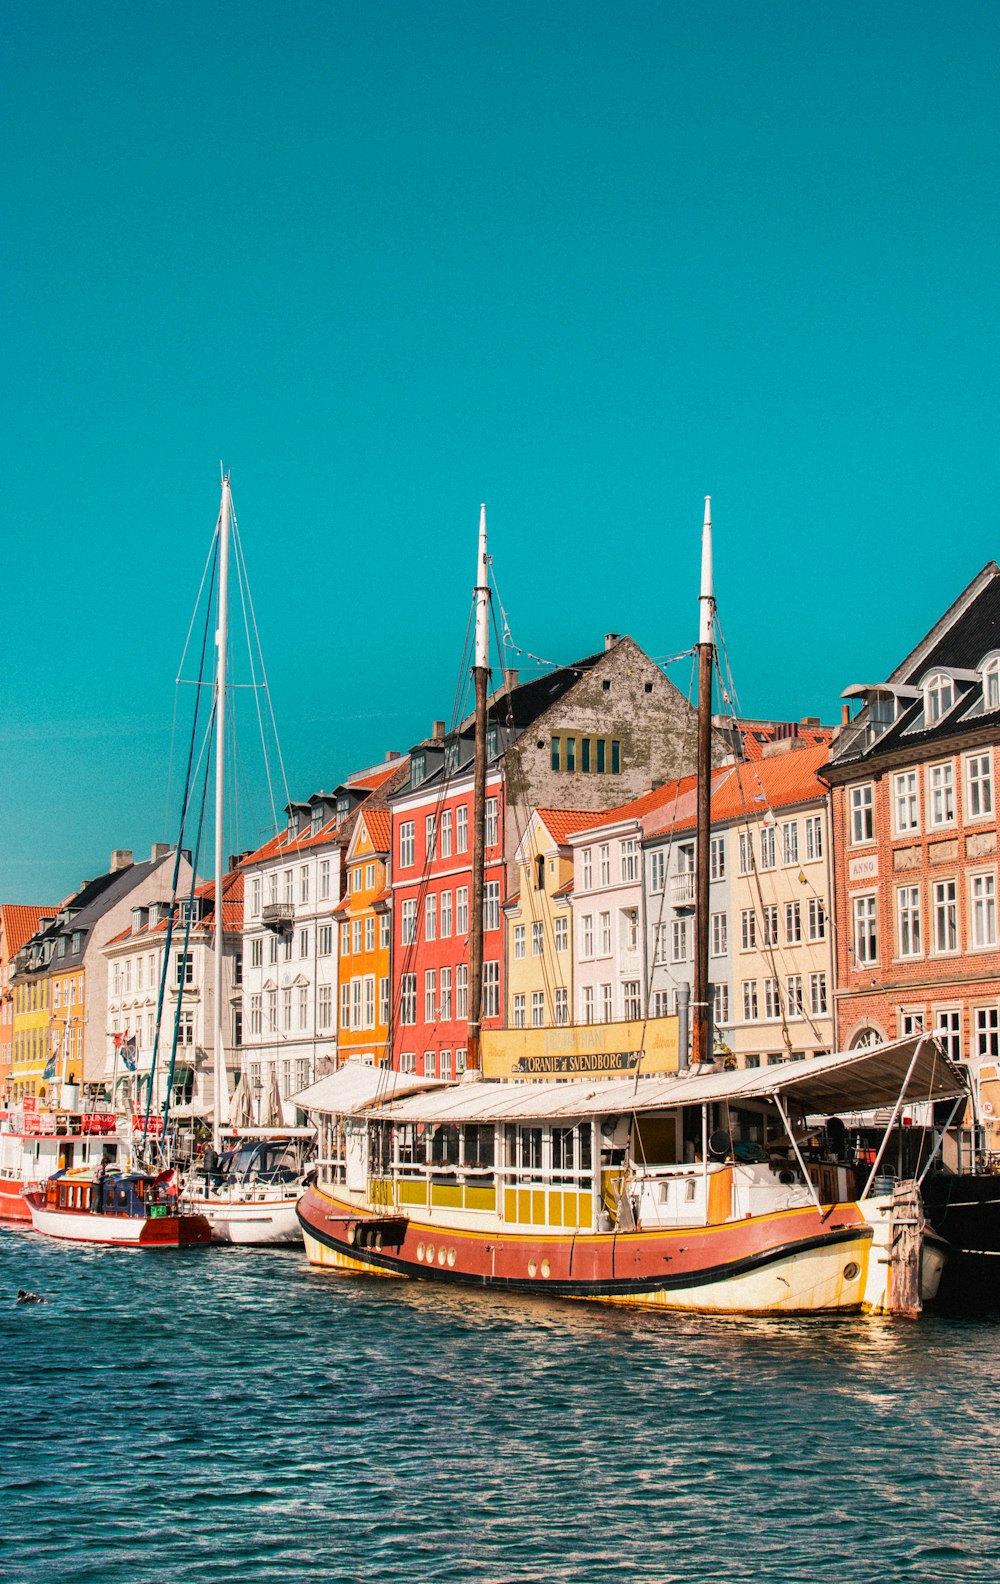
585	262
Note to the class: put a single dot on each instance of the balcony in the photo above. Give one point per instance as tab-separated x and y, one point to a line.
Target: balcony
682	890
278	916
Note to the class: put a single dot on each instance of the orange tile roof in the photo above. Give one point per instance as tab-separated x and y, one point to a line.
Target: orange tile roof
20	922
379	825
232	910
774	782
757	734
284	845
563	823
370	780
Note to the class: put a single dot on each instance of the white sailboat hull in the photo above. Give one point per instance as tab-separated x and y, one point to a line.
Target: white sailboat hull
249	1221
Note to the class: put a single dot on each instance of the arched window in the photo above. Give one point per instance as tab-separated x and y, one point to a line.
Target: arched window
939	696
991	682
866	1037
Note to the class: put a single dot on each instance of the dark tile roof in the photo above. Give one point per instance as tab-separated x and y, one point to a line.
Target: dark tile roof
967	632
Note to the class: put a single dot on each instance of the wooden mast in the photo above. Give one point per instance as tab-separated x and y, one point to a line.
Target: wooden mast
701	1020
480	677
220	1107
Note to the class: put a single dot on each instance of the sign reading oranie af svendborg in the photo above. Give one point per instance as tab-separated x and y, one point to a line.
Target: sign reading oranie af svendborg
593	1050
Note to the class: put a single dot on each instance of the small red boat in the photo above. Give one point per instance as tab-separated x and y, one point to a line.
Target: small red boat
134	1210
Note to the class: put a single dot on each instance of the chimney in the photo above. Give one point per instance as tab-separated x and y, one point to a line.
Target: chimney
845	714
121	858
510	679
438	732
160	850
610	639
809	721
235	859
392	754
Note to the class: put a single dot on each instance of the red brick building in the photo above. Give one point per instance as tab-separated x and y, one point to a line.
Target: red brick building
914	790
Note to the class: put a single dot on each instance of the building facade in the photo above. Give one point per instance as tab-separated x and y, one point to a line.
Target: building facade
187	1025
363	923
60	982
913	779
538	923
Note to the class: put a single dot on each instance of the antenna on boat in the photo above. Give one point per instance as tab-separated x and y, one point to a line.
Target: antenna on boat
701	1021
220	1107
480	676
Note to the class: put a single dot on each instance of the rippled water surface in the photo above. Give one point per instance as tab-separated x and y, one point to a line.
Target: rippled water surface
213	1415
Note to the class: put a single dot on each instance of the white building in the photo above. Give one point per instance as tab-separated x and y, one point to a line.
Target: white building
290	940
134	970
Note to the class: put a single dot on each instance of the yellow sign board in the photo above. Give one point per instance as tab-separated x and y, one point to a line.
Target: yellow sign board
590	1050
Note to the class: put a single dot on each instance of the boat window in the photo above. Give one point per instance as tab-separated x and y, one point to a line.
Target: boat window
406	1144
529	1143
563	1141
479	1146
444	1144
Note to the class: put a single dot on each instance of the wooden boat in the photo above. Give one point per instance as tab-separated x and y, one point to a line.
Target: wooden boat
134	1210
708	1191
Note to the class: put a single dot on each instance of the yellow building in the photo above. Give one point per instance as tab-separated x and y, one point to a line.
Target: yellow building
32	1047
363	917
538	926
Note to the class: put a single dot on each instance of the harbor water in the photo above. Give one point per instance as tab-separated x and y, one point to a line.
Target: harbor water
208	1416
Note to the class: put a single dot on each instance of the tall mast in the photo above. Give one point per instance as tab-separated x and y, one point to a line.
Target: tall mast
480	676
700	1021
220	1108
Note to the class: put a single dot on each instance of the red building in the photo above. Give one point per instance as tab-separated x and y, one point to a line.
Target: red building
915	841
432	885
585	736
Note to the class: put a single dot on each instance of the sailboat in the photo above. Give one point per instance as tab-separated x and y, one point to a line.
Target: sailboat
249	1194
705	1190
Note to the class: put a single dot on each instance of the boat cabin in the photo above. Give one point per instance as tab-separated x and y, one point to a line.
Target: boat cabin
696	1149
136	1194
267	1161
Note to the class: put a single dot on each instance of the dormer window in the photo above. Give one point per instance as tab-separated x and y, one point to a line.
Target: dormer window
451	757
939	696
492	740
418	768
343	806
991	683
316	822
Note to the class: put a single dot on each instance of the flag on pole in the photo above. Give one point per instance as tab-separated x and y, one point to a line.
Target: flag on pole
130	1052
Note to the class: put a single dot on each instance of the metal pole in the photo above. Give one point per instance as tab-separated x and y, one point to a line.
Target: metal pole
480	674
892	1120
220	1108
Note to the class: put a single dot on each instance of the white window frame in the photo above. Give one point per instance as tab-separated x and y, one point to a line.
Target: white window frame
978	780
861	805
909	922
906	803
983	910
941	802
944	912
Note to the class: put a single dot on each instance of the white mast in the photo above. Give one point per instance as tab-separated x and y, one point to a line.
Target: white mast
220	1108
482	652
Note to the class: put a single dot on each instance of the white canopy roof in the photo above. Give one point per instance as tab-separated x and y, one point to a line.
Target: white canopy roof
355	1085
855	1080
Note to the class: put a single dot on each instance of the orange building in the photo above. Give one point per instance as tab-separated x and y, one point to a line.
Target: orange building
17	925
364	1007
